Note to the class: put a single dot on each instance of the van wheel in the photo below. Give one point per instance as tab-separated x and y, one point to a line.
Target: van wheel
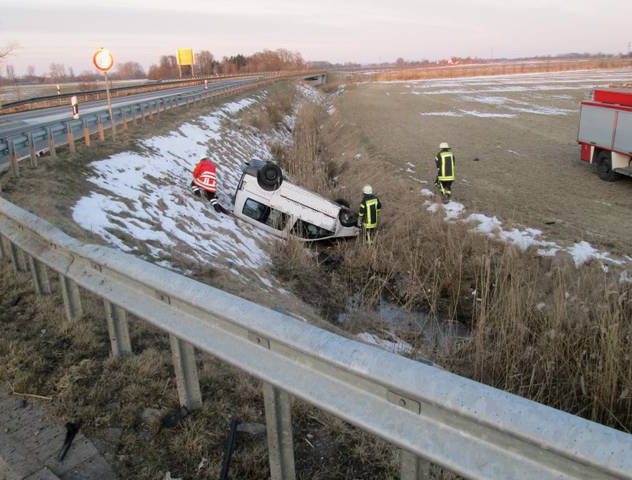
347	217
270	176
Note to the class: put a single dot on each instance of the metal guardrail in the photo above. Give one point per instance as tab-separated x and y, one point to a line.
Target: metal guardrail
432	415
46	137
35	103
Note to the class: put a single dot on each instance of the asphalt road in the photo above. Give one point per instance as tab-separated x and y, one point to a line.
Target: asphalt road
14	123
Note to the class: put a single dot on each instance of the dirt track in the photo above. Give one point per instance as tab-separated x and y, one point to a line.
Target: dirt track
528	170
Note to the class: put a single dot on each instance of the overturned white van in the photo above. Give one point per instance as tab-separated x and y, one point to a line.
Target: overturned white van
265	199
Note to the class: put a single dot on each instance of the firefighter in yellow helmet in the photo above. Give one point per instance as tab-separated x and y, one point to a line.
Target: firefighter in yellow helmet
369	214
445	171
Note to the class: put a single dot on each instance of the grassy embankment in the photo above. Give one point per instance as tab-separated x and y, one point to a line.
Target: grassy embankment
121	401
538	326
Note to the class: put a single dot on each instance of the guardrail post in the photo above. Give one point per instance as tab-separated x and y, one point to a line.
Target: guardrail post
86	133
100	128
32	152
187	380
123	119
23	265
51	142
279	429
413	467
134	115
113	125
118	329
149	110
71	142
18	262
12	253
72	298
40	276
13	158
142	114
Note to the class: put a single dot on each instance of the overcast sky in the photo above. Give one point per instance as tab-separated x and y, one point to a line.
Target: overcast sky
68	31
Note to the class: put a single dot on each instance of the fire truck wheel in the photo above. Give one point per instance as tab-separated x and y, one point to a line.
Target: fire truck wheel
604	167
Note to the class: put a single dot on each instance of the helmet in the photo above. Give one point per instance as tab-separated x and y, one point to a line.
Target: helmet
443	145
367	189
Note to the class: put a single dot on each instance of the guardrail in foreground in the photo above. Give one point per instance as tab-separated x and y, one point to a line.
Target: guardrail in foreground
46	137
432	415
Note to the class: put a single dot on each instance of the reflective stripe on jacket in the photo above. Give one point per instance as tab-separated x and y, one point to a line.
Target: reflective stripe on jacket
370	211
204	176
445	165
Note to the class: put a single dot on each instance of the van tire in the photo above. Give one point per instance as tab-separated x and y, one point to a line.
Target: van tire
347	217
270	177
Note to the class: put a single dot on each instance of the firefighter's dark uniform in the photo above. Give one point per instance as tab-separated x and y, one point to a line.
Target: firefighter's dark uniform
369	216
445	171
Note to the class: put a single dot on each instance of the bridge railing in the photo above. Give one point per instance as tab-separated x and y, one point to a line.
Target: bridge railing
431	415
32	141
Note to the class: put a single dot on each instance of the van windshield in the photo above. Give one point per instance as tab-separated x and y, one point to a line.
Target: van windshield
264	214
310	231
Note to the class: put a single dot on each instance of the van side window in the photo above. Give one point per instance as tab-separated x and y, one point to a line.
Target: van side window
264	214
308	230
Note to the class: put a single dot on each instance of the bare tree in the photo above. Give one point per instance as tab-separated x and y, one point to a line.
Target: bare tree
205	62
4	53
168	68
57	71
130	70
7	50
30	71
10	73
14	80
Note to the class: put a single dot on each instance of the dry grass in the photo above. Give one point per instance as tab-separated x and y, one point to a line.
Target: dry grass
271	113
41	353
507	68
539	327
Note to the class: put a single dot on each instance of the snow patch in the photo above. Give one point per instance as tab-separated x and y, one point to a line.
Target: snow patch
441	114
394	346
143	203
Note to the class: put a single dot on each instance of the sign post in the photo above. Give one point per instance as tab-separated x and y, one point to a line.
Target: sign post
103	60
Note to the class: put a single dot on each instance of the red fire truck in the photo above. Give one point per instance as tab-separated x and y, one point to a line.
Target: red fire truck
605	132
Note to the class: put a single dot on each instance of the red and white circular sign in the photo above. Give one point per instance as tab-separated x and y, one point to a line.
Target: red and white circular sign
103	59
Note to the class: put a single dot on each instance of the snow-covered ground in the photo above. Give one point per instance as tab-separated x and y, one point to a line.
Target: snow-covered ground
581	252
535	94
141	201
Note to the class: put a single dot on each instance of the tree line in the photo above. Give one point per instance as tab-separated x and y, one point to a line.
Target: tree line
206	64
166	68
